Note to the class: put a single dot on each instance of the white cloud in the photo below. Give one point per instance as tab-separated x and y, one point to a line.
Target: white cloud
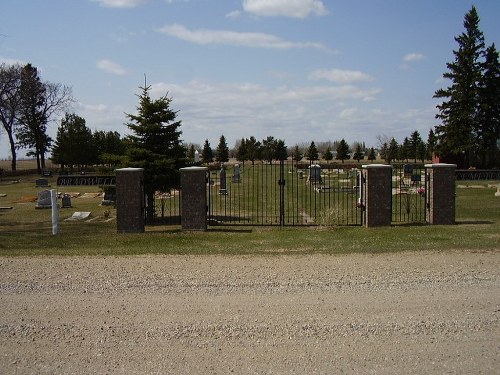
246	109
340	76
412	57
285	8
120	3
111	67
233	14
8	61
233	38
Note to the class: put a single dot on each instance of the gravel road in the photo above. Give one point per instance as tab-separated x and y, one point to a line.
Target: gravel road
406	313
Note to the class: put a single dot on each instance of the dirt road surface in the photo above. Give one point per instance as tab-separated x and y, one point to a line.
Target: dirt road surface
406	313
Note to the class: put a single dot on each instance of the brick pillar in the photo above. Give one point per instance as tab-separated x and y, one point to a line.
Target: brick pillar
378	194
130	200
194	198
441	193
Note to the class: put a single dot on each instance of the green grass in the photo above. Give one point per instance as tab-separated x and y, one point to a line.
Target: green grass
26	231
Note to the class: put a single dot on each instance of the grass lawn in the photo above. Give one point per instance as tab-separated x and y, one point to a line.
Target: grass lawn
25	230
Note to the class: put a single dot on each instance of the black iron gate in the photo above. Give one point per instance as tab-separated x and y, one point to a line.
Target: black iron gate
409	194
283	194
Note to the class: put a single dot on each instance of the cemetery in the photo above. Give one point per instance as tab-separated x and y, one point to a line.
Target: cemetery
245	196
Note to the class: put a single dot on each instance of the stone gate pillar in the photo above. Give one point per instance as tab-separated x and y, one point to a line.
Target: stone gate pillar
130	200
378	194
194	198
441	193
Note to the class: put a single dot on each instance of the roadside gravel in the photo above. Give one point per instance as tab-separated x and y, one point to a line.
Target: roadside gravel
412	313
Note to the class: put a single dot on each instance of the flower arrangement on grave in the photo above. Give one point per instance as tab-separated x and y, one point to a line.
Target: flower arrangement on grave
421	191
360	204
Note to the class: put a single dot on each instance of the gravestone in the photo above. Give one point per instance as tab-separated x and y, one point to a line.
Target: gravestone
42	182
108	199
497	194
44	199
223	186
66	201
314	174
408	170
196	156
236	173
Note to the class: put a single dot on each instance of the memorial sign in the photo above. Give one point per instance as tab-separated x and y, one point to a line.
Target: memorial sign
86	180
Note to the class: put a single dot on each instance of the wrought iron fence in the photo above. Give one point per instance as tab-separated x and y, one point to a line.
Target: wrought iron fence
282	194
167	208
409	194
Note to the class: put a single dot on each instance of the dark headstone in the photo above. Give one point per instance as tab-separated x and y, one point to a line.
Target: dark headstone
66	201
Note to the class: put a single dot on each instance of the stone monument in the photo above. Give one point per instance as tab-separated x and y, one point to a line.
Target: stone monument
44	199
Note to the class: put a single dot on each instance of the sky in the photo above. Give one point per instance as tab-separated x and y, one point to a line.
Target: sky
297	70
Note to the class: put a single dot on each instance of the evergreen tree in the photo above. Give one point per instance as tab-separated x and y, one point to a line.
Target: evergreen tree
389	151
358	153
421	152
74	144
222	151
328	156
487	135
458	111
191	152
155	145
253	149
415	141
268	149
297	154
371	155
431	144
404	149
312	153
109	147
33	130
241	151
207	155
280	150
342	151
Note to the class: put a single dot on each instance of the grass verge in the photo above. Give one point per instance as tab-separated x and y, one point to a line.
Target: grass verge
26	231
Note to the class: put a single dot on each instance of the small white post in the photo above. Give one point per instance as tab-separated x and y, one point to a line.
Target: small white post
55	212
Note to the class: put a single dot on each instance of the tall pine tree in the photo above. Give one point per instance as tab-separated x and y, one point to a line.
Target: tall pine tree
458	111
487	135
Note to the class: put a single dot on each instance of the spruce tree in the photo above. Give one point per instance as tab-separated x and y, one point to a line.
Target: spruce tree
222	152
358	153
487	135
155	145
342	151
312	153
207	155
458	111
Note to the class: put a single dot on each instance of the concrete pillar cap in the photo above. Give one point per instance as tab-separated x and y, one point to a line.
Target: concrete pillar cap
440	165
374	166
187	169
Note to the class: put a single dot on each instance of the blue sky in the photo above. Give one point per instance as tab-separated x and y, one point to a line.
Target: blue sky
298	70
